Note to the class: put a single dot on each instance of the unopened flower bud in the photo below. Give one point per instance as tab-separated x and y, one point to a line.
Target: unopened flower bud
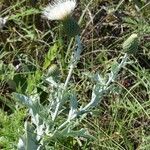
131	44
71	27
53	70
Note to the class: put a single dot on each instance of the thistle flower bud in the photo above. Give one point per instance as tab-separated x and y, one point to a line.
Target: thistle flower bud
131	44
70	27
53	70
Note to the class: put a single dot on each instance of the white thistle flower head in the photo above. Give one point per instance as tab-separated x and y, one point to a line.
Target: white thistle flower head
59	9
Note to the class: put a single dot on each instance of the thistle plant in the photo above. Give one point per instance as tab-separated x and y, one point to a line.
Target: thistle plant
48	122
62	10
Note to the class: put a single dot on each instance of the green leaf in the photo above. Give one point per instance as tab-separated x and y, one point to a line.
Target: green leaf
24	13
50	56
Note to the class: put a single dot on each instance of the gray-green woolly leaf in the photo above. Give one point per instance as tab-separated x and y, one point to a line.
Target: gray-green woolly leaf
40	131
23	99
31	137
29	140
21	144
51	81
35	117
73	101
73	106
99	79
36	107
114	66
67	132
114	70
96	78
96	95
36	114
77	53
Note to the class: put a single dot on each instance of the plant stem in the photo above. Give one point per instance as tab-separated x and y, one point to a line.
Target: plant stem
99	96
74	60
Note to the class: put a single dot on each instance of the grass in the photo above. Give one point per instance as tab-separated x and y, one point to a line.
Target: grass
11	128
29	45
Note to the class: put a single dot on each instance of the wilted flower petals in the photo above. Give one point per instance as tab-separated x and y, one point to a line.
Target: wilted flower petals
3	22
